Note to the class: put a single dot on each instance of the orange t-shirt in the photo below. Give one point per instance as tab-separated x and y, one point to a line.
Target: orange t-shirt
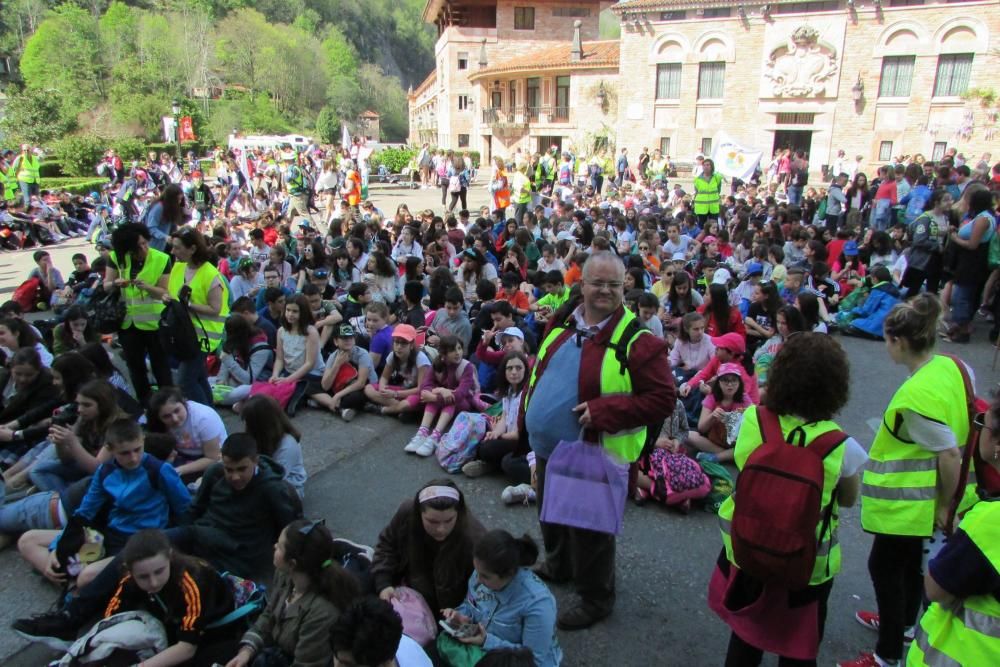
573	275
518	299
354	194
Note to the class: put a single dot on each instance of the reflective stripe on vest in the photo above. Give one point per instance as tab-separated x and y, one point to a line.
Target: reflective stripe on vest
899	485
969	634
828	550
208	327
141	310
627	444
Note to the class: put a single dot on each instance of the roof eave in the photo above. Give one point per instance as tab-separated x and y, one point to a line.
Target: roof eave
569	67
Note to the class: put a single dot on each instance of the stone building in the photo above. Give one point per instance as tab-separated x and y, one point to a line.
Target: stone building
877	78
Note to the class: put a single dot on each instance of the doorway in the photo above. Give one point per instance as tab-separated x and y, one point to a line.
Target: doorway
545	143
796	140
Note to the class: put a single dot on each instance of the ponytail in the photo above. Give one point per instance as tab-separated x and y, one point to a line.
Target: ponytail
310	545
502	554
915	320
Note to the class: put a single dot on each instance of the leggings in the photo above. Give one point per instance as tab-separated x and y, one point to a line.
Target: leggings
455	196
895	566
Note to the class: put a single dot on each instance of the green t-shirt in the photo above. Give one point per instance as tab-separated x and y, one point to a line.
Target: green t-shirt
554	300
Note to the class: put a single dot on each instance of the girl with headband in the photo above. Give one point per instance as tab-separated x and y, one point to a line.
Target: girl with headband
428	546
310	591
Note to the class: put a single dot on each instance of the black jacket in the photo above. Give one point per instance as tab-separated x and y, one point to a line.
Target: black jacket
236	530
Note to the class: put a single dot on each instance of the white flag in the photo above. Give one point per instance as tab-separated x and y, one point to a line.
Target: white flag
169	130
733	159
345	138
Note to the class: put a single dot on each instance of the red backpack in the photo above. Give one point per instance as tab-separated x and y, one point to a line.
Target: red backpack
779	494
26	295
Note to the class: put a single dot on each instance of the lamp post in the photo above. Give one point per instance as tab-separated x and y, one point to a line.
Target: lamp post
175	108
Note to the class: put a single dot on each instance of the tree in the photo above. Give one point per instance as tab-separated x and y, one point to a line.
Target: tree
328	126
64	55
36	117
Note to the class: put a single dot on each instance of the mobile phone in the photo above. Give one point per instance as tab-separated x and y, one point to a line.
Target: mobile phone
464	630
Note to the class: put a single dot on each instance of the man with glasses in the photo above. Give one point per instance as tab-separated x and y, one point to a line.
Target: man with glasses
600	374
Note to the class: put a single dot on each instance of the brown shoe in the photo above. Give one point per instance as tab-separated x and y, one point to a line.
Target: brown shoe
580	616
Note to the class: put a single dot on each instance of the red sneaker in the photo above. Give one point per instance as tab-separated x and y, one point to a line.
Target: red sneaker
869	619
863	660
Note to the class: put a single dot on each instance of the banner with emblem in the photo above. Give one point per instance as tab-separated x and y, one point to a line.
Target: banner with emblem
733	159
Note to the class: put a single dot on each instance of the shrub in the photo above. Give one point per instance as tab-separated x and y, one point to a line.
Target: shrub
77	186
128	148
51	169
395	159
80	153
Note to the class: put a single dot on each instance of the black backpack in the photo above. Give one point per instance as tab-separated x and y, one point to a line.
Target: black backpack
177	332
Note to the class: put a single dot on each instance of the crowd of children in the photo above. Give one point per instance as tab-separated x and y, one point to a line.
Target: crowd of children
414	316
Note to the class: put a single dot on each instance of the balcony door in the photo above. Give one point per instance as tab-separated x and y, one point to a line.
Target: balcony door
533	98
562	99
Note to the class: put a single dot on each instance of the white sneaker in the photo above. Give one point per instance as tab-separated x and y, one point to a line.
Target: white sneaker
522	493
427	447
415	442
347	414
474	468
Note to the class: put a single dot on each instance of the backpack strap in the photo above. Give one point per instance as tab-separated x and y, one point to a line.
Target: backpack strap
970	444
620	346
152	466
770	428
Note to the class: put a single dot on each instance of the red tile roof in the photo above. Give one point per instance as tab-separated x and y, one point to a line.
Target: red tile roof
596	55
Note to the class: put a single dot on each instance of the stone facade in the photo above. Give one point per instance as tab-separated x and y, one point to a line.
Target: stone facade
779	91
782	74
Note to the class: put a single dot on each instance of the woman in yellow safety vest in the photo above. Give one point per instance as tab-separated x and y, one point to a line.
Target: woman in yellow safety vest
208	304
707	193
962	625
141	273
808	384
913	475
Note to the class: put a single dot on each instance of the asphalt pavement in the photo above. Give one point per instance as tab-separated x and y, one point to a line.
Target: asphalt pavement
359	474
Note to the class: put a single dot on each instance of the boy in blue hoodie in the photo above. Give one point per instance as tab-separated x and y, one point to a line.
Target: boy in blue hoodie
134	489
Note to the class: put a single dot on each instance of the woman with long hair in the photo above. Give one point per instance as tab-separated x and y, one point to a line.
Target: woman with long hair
197	428
208	305
721	318
165	216
246	357
276	437
428	546
75	447
310	591
75	331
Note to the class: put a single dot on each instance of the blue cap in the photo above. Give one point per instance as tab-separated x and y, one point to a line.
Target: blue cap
94	195
851	249
755	269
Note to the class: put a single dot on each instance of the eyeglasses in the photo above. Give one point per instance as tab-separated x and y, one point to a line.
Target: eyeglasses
979	422
308	528
604	284
644	247
668	274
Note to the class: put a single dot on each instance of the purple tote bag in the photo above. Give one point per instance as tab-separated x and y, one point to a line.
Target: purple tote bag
584	488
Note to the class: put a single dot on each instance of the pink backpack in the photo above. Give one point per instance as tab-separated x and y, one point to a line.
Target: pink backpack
676	478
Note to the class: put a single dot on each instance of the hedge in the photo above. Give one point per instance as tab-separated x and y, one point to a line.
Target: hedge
77	186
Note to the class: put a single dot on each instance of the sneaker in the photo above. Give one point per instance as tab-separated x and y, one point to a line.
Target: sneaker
347	414
869	619
863	660
55	629
707	456
415	442
427	447
372	408
522	493
474	468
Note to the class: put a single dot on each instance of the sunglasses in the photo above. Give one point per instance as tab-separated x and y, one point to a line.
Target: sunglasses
308	528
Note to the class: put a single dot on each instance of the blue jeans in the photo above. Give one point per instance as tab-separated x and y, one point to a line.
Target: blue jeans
193	380
33	512
963	303
794	195
27	189
55	475
234	190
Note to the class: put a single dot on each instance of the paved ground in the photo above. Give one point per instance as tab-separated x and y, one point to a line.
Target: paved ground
359	474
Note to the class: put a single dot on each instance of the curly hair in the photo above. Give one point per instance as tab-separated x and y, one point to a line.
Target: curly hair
809	378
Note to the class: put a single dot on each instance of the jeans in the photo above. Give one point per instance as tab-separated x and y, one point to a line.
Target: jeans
234	190
964	299
192	376
895	566
55	475
34	512
455	197
136	344
794	194
28	189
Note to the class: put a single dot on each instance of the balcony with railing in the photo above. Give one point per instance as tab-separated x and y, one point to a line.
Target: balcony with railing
520	119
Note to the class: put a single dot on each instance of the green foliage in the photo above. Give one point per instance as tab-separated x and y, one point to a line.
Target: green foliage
395	159
50	169
35	116
327	126
128	148
77	186
80	153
